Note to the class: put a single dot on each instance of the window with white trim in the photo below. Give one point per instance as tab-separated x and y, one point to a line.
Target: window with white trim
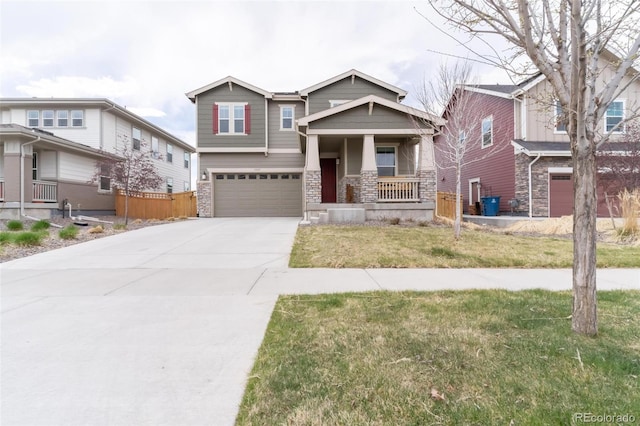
462	138
62	118
613	116
47	118
169	153
186	159
155	147
33	118
487	132
559	118
169	185
386	160
34	166
77	118
136	134
187	186
286	117
231	118
105	179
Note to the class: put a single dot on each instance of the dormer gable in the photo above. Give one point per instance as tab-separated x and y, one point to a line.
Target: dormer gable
230	82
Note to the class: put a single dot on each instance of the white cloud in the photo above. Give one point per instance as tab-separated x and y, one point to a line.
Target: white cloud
75	86
147	111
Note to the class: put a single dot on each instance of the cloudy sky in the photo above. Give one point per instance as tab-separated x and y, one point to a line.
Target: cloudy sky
146	55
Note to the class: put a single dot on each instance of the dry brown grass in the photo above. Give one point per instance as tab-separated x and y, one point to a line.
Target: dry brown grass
630	206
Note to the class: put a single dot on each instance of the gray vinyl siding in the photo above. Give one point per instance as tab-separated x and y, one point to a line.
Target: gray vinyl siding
354	156
251	161
405	155
344	90
283	139
206	138
359	118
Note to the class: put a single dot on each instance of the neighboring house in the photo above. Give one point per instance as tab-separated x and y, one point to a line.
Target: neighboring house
533	173
59	141
344	143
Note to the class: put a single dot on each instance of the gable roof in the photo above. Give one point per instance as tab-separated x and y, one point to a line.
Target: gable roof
230	81
354	73
304	121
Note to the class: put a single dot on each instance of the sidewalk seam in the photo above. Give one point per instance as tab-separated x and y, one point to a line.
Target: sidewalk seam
366	271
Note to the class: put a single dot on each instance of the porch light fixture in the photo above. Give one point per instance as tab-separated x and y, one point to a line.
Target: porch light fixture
204	175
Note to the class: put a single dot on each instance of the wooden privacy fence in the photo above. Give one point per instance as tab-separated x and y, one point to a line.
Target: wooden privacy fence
446	204
157	205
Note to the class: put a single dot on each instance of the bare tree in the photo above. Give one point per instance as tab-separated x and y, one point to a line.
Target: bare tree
458	142
586	50
131	171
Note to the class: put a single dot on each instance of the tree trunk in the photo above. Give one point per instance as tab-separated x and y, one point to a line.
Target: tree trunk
457	223
126	208
584	319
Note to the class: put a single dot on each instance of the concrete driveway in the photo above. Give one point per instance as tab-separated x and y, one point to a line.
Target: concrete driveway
149	327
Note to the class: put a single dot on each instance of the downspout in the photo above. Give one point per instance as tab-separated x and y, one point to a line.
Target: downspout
22	157
531	185
266	125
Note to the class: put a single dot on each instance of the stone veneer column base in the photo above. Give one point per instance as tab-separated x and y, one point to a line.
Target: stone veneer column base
204	199
427	185
313	186
369	186
354	181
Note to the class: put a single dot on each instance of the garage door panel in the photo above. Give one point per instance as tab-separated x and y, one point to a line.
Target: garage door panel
560	195
247	195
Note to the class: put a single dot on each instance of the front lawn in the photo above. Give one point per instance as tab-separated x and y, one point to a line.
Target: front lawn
453	358
434	247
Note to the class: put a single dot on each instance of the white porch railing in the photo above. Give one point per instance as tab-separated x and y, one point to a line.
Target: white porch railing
398	189
45	191
1	189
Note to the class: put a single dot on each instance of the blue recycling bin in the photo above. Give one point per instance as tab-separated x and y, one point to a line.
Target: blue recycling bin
490	206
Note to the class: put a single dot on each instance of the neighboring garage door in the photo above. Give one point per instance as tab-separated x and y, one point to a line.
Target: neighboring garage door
560	195
257	195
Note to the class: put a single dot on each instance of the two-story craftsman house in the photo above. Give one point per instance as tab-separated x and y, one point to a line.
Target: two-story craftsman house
343	146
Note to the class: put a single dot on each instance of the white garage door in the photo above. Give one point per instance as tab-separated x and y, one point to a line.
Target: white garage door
257	195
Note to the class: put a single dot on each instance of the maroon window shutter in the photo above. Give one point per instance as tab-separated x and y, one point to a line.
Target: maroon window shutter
215	119
247	119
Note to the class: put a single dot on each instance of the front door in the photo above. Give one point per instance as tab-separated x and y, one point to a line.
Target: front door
328	179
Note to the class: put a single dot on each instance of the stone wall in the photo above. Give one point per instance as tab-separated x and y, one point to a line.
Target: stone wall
354	181
540	182
369	186
204	198
313	186
427	185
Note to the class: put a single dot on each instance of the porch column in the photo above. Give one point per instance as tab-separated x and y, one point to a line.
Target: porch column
426	169
12	169
368	172
312	175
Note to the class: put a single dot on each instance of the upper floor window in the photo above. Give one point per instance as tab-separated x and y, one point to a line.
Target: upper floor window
462	138
614	116
33	118
231	118
47	118
286	117
487	132
186	160
63	118
137	138
169	153
77	118
155	147
559	118
386	160
169	185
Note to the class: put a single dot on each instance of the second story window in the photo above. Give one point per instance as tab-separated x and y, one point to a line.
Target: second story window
155	147
137	138
286	117
231	119
186	160
33	118
47	118
560	119
63	118
77	118
169	153
487	132
614	116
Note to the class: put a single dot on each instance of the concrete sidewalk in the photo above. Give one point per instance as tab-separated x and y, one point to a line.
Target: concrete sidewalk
160	326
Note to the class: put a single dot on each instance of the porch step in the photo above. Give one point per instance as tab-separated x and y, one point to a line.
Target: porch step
348	215
323	218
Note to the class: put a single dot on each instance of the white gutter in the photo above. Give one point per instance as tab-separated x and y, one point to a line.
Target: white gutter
531	186
266	127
